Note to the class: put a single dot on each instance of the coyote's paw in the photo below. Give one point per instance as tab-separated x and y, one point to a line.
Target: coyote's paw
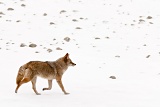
66	93
38	93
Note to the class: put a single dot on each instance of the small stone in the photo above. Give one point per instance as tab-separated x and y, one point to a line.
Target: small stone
49	50
22	45
32	45
149	17
67	39
75	20
58	48
18	21
112	77
141	21
150	22
51	23
97	38
78	28
45	14
10	9
62	11
23	5
1	13
107	37
148	56
117	56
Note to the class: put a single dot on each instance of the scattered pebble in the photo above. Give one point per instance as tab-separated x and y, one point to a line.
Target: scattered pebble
141	21
67	39
58	48
18	21
51	23
45	14
117	56
75	20
149	17
10	9
49	50
62	11
1	13
148	56
32	45
22	45
78	28
97	38
112	77
23	5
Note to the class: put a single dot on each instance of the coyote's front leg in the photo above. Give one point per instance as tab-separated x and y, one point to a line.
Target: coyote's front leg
59	81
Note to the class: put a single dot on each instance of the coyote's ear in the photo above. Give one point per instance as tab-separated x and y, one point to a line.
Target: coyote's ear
66	57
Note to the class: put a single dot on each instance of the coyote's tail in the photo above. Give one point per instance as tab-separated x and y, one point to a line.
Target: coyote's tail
20	74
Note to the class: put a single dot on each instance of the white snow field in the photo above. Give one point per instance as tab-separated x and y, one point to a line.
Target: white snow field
104	38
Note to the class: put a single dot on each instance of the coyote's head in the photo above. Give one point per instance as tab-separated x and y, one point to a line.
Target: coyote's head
68	61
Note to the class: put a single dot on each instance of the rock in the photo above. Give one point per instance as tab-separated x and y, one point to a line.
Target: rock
58	48
150	22
149	17
112	77
107	37
49	50
18	21
51	23
1	13
45	14
22	45
141	21
10	9
67	39
117	56
23	5
75	20
97	38
62	11
148	56
32	45
78	28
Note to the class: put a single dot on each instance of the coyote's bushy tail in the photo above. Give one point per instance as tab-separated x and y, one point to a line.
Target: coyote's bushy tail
20	74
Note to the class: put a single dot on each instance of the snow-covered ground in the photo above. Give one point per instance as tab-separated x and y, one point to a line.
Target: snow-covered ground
118	38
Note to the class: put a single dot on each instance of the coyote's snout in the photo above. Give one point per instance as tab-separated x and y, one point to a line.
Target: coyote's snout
49	70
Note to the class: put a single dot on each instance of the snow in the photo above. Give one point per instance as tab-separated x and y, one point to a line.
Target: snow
115	38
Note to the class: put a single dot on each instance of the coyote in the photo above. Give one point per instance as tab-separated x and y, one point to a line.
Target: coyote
49	70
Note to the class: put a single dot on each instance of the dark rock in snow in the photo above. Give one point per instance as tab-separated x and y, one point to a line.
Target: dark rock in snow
22	45
112	77
62	11
51	23
97	38
148	56
1	13
58	48
23	5
78	28
67	39
49	50
149	17
45	14
32	45
10	9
